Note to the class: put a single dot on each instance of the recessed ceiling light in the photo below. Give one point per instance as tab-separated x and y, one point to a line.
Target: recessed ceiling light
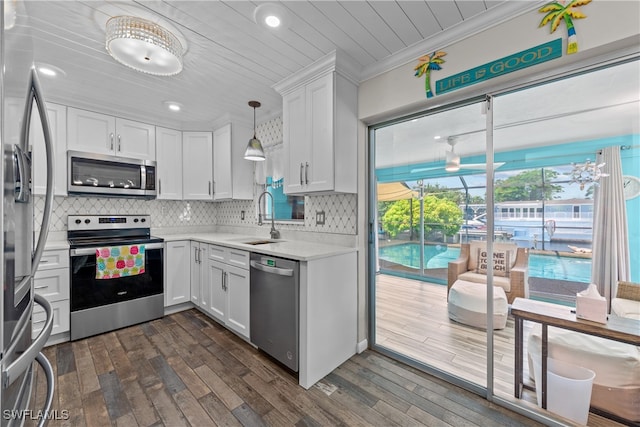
49	70
272	15
437	137
173	106
272	21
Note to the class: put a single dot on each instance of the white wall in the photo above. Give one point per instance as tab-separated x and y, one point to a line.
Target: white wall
608	25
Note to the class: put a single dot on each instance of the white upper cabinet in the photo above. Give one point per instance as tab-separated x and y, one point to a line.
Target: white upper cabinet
197	166
103	134
222	179
320	128
135	140
57	117
169	163
232	174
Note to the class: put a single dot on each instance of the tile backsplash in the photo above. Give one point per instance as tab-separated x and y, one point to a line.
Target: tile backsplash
164	213
340	212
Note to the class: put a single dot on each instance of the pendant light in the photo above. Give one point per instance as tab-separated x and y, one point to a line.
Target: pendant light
254	148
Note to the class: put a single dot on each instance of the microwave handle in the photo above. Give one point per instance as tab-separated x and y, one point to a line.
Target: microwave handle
35	93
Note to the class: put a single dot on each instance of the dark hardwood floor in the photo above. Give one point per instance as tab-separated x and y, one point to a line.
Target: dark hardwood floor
185	369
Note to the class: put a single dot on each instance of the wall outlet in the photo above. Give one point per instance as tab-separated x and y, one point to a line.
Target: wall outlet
319	217
242	215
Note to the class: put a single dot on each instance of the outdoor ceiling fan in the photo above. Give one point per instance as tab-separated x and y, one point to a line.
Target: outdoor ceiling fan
452	160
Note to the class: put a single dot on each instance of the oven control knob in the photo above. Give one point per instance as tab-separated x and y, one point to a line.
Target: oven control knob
135	220
87	221
143	220
78	221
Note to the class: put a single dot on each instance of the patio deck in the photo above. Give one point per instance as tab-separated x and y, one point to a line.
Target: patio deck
412	319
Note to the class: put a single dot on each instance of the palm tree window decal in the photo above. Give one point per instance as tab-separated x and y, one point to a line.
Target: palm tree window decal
427	63
556	12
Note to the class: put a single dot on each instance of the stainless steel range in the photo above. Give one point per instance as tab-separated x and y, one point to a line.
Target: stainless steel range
117	273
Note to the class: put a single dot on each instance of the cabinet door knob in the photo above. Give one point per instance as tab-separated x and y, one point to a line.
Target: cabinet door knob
209	187
119	143
301	169
159	186
111	140
306	173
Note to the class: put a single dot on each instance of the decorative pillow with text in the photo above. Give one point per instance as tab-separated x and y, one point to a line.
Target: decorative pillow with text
501	263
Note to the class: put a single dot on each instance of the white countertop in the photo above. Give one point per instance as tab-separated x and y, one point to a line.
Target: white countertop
298	250
292	249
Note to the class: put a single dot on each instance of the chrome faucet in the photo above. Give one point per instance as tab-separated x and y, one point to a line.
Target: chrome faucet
275	234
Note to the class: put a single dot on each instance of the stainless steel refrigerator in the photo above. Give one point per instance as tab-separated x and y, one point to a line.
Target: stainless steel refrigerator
21	250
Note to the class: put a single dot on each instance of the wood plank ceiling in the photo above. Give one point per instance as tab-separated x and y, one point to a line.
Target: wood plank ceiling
231	59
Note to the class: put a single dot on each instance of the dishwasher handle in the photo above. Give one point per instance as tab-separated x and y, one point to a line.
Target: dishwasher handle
273	270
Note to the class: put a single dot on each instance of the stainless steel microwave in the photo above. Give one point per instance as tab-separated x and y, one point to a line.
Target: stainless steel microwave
112	176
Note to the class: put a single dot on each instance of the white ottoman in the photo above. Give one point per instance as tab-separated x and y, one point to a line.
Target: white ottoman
468	305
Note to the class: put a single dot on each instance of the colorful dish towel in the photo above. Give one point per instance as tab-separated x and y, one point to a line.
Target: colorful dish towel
119	261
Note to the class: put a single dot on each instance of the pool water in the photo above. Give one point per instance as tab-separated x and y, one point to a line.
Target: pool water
438	256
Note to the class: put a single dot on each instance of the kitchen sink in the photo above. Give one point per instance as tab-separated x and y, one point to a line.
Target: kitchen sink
260	242
255	241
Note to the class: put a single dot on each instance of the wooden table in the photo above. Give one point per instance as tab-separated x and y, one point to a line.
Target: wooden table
547	314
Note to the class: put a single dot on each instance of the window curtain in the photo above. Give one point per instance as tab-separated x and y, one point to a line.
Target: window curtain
273	166
610	256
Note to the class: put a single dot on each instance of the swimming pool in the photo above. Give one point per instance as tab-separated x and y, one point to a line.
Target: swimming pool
438	256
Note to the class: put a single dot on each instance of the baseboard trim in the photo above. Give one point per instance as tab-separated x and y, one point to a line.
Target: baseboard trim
178	307
362	346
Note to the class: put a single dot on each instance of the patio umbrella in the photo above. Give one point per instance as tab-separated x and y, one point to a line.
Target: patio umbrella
392	191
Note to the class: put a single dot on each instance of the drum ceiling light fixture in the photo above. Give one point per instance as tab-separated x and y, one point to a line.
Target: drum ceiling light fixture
144	46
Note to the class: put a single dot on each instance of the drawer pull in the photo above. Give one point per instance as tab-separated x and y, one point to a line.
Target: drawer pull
40	287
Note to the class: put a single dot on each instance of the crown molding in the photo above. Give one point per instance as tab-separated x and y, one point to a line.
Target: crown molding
477	24
336	60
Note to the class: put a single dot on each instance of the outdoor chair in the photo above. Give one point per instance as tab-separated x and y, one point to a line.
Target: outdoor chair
627	300
510	268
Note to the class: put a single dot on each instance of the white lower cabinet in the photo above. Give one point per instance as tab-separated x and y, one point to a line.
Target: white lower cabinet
177	273
228	288
52	282
198	263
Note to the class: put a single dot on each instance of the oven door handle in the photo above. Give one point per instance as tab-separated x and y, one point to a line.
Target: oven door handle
92	251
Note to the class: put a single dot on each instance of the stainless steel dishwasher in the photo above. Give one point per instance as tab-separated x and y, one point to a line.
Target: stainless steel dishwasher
274	302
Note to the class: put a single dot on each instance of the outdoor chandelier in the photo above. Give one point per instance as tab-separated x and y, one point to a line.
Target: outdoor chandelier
144	46
254	149
586	173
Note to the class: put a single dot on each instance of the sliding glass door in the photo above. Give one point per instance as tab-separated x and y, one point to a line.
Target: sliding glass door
562	150
558	154
429	198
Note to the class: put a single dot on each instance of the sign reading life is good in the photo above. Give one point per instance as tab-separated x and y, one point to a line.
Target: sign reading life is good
526	58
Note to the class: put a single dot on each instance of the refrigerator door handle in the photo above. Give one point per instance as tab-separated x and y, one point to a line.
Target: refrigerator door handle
36	93
22	162
24	361
48	370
